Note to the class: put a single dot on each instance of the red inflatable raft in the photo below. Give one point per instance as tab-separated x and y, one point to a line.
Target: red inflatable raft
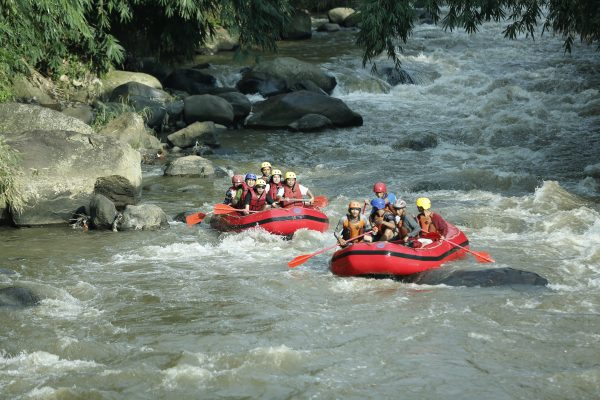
279	221
389	258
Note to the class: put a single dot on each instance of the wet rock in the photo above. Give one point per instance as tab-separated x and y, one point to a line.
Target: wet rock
328	27
102	212
130	128
270	78
5	271
283	110
240	103
116	78
299	27
482	277
190	166
142	217
17	297
395	76
118	190
311	123
190	80
17	118
194	134
145	99
207	108
60	170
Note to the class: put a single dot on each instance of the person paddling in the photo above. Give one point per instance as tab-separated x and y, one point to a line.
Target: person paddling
382	221
231	196
265	170
257	198
428	220
351	225
380	190
293	192
406	225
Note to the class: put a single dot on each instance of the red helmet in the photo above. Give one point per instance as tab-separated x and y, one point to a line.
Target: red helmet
237	179
379	187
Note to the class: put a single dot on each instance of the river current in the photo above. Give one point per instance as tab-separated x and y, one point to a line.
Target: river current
502	135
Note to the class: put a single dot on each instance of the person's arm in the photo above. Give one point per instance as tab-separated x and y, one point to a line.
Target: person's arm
389	221
269	200
339	231
412	225
247	201
305	192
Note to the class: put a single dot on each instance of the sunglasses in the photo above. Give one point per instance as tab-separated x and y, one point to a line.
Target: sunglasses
260	186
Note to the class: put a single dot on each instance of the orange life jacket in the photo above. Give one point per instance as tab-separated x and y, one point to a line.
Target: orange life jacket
353	229
292	193
426	223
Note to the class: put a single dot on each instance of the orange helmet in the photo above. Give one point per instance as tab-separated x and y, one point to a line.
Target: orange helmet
354	204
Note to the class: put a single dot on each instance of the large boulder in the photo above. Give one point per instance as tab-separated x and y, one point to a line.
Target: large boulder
191	80
339	14
130	128
196	133
116	78
240	103
60	169
118	190
284	110
149	101
207	107
190	166
142	217
16	118
299	27
281	75
481	277
222	40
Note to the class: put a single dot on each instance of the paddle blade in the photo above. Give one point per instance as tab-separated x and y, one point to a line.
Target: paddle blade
224	209
301	259
320	201
482	257
194	219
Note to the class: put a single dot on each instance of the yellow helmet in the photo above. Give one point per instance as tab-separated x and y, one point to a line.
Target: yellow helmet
290	175
260	182
354	204
266	164
424	203
276	172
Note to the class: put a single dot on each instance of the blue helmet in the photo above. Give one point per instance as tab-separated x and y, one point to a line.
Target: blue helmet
250	176
378	203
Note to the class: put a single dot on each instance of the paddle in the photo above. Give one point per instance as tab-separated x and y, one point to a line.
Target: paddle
301	259
195	218
480	256
226	209
319	201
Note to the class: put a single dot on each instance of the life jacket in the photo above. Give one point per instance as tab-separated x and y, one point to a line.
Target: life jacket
379	226
273	189
257	203
426	224
353	228
292	193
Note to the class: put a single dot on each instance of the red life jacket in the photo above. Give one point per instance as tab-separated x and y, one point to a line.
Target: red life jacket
273	189
426	223
292	193
257	203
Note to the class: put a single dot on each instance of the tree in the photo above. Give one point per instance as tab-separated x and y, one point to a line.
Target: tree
383	22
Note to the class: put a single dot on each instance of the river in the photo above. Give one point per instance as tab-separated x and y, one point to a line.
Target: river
511	132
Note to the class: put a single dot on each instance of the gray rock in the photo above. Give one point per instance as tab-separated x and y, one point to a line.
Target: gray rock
328	27
281	75
311	122
17	297
190	80
130	128
339	14
207	108
190	166
16	118
240	103
102	212
82	112
299	27
118	190
145	99
60	169
282	110
116	78
198	132
416	142
481	277
143	217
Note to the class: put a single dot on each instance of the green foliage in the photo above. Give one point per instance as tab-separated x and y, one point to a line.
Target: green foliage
10	178
384	22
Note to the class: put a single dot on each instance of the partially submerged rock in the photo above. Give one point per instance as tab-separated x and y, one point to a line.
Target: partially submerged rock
17	297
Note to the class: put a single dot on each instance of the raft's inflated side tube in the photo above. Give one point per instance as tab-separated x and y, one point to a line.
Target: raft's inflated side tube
279	221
